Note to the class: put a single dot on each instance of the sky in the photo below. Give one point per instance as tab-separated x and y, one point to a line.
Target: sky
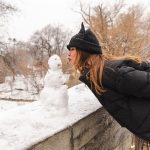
33	15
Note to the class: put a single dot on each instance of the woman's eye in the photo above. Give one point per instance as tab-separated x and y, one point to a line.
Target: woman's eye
73	48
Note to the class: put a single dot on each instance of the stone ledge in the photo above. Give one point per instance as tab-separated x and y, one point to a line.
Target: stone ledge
86	126
59	141
98	131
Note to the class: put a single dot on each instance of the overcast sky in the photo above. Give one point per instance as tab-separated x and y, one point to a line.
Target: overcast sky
36	14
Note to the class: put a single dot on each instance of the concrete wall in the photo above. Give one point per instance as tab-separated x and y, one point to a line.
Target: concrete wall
98	131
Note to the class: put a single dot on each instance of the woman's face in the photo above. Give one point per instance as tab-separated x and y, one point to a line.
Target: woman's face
72	55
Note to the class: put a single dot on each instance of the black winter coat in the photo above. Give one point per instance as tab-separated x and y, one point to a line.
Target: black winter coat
127	97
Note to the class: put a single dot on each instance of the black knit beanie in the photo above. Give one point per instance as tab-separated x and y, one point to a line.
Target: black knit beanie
85	41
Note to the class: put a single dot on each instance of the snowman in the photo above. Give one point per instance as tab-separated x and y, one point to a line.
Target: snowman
54	96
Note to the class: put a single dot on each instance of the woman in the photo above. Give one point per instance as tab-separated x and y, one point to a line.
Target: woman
121	84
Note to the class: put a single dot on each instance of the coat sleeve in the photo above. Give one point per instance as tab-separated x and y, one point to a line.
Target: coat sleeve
133	82
143	66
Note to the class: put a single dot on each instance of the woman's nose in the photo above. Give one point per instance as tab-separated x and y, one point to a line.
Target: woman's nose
68	53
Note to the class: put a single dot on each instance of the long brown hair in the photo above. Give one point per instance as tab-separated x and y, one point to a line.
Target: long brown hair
95	62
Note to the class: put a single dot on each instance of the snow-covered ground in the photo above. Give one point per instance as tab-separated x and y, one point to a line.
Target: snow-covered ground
23	126
21	88
53	110
14	94
7	105
17	96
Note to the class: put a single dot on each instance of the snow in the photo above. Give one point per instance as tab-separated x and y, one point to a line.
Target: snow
56	109
20	88
26	125
7	105
19	95
54	95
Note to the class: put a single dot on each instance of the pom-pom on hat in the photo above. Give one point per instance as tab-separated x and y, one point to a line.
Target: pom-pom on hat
85	41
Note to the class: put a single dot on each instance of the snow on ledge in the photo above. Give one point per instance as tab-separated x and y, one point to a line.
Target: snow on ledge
27	125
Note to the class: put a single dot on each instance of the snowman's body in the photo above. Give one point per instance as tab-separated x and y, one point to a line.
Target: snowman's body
54	96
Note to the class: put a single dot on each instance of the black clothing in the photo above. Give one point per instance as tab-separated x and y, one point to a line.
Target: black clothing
127	96
85	41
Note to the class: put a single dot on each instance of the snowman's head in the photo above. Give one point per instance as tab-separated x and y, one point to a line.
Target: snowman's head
54	62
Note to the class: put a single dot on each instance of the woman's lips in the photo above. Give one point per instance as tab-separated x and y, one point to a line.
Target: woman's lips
69	59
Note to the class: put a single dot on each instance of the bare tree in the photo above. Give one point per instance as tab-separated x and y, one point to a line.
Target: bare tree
6	9
60	40
50	40
120	31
